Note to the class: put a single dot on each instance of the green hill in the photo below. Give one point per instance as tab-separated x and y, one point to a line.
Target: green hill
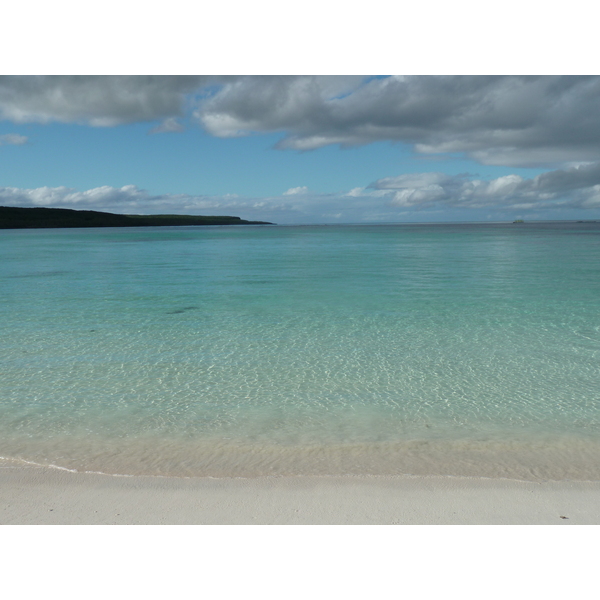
32	218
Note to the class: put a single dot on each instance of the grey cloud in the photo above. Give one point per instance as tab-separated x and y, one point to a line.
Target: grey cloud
567	180
95	100
112	100
271	103
502	120
513	121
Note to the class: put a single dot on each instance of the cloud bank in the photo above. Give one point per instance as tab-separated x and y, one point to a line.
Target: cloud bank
130	199
511	121
499	120
577	186
389	198
92	100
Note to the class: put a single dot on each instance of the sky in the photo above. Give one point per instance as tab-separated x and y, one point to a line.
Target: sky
305	149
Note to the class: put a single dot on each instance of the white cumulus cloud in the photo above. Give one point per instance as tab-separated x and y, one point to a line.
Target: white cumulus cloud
356	192
574	186
297	191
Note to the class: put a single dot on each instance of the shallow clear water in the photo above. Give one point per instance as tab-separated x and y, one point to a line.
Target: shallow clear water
430	349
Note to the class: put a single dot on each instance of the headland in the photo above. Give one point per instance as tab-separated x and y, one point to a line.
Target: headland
47	218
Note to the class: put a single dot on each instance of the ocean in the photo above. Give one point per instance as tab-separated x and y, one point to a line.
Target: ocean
245	351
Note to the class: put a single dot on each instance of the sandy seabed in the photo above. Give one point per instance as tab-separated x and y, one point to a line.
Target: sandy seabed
38	495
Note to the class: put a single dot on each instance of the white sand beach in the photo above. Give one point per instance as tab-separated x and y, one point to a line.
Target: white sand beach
30	495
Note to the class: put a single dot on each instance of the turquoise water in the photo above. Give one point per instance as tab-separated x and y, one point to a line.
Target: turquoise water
242	351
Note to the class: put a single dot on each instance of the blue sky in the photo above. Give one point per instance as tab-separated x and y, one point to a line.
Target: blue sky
304	149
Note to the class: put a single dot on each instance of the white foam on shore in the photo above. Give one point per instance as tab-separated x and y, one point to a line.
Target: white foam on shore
21	461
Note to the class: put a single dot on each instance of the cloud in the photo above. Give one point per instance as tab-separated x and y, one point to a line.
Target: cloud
270	103
577	186
62	196
130	199
502	120
415	196
170	125
100	101
356	192
411	180
296	191
12	139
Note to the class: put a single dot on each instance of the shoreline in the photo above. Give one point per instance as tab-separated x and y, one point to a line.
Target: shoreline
557	458
44	496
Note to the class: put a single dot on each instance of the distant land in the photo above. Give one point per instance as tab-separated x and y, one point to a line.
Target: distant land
34	218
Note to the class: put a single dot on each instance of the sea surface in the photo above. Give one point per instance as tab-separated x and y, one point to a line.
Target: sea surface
242	351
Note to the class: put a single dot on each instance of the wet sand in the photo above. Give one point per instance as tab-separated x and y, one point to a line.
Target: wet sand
32	495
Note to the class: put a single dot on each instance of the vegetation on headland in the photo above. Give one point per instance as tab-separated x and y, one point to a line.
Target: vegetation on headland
33	218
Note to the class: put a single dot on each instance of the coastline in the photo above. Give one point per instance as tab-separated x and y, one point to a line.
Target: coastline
46	496
541	458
